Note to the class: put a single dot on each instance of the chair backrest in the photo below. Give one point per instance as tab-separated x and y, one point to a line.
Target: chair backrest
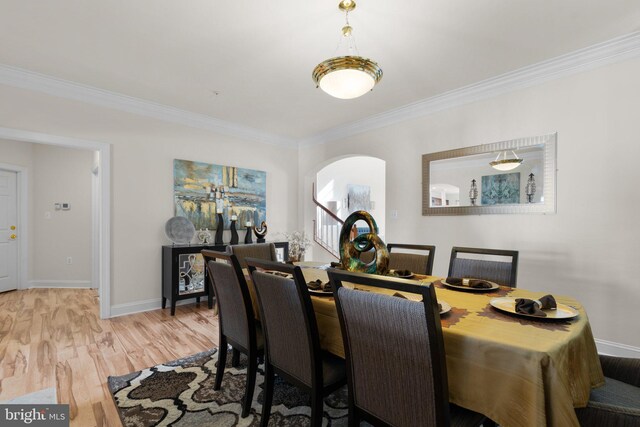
416	263
237	321
266	251
394	349
288	321
501	272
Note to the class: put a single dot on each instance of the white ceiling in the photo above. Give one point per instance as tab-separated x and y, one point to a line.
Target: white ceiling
259	55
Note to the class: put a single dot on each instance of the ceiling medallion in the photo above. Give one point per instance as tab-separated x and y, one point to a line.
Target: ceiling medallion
348	76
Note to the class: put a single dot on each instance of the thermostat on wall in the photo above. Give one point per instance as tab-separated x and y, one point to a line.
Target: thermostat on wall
66	206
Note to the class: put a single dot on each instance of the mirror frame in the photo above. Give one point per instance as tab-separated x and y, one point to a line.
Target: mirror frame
549	178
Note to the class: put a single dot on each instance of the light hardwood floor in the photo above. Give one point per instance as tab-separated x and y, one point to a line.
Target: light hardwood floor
55	338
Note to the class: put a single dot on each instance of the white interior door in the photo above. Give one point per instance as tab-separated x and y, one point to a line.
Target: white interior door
9	233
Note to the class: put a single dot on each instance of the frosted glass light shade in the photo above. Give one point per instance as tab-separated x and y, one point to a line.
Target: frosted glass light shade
506	165
347	77
347	84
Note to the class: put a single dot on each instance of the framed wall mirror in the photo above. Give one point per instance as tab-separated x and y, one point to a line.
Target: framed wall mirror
507	177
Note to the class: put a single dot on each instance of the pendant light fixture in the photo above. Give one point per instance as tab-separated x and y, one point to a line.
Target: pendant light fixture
349	76
506	164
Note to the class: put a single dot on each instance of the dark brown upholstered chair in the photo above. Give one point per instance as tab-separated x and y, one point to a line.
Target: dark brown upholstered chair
266	251
416	263
396	364
292	341
617	403
503	273
237	324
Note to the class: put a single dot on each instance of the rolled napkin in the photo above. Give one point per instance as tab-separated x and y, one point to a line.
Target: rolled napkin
318	285
535	307
470	283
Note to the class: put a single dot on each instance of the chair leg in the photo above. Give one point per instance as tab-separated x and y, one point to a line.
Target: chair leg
268	394
317	406
235	358
222	361
353	418
251	384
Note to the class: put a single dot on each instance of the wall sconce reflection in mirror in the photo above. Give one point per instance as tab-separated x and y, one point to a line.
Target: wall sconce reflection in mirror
493	190
530	188
473	192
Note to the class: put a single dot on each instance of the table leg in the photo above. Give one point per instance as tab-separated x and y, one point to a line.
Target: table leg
164	302
173	307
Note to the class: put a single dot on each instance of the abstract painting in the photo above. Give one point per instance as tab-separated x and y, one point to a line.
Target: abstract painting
358	197
201	190
501	189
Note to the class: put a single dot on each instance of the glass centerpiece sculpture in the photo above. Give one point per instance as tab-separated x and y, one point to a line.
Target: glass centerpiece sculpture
350	250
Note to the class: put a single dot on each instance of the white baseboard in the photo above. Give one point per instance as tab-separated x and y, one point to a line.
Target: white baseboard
616	349
59	284
147	305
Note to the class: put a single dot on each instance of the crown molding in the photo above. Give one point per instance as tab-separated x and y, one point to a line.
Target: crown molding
609	52
26	79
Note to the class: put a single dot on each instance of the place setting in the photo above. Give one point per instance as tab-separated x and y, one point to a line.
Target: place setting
546	308
469	284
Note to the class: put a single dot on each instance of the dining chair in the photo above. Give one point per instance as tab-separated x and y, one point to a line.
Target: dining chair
236	325
502	272
396	366
292	343
617	403
419	263
265	251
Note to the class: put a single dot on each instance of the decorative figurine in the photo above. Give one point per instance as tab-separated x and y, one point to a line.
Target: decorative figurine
204	236
234	233
350	249
260	232
247	237
220	228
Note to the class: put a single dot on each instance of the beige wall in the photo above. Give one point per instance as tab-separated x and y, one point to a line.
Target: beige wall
61	175
143	150
590	248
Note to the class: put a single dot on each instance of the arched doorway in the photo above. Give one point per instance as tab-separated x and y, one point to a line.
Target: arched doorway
346	185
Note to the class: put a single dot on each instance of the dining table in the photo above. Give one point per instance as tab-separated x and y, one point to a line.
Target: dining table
518	371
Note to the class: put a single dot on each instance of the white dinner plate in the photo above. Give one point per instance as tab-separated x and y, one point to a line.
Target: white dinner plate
508	305
493	287
445	307
320	293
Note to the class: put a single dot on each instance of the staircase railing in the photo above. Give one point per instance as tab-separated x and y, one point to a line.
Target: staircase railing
326	227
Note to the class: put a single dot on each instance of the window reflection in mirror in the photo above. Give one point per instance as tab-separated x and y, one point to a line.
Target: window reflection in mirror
452	180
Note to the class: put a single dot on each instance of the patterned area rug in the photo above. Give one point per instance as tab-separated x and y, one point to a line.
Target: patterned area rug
180	393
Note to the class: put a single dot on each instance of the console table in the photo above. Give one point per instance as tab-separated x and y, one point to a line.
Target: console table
184	275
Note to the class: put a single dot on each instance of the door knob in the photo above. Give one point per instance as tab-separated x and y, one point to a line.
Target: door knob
13	237
13	227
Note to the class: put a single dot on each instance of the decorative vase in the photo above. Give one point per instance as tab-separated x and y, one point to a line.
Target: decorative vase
234	233
219	230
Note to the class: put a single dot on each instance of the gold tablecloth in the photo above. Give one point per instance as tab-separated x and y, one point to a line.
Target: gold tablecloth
516	371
